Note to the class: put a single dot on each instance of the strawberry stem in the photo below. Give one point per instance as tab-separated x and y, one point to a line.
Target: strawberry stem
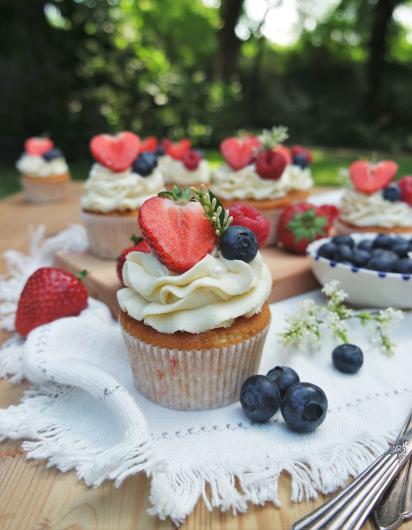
134	239
81	275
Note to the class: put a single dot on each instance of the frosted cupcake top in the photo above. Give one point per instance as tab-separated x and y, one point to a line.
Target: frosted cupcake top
200	275
122	177
183	165
41	159
260	168
374	199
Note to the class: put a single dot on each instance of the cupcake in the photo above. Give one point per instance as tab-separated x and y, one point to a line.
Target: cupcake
193	313
119	182
182	165
44	172
263	173
374	202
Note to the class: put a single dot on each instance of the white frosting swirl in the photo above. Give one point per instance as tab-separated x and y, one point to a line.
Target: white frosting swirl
37	166
362	209
176	172
212	294
106	191
247	184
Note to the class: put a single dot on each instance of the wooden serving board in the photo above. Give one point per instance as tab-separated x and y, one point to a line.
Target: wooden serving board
291	274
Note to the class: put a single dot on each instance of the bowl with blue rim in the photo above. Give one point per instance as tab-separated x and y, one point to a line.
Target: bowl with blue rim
375	270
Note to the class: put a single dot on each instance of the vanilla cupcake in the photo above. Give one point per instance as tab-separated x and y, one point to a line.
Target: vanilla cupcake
44	171
119	182
193	313
183	166
374	203
262	173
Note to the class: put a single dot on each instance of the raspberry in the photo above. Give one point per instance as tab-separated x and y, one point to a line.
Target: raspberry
250	217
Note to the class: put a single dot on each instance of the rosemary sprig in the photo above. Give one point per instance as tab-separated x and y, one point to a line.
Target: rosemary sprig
270	138
213	208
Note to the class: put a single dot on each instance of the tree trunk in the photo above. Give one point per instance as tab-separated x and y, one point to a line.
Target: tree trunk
228	42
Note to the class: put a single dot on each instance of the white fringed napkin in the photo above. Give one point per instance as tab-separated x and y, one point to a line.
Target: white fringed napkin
82	412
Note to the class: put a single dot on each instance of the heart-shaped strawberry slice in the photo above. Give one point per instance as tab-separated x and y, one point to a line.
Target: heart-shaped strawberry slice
368	178
38	146
115	152
149	144
177	150
239	152
179	233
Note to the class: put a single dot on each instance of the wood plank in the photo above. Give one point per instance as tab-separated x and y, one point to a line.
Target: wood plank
33	497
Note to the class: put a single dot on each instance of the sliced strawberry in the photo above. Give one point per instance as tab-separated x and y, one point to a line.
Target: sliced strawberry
300	150
191	160
140	245
250	217
38	146
239	152
115	152
177	150
285	151
270	164
405	185
178	232
368	178
149	144
49	294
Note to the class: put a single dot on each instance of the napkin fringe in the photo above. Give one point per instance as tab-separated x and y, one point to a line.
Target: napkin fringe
231	487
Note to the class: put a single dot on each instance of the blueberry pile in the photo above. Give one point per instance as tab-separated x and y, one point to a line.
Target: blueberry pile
384	253
302	405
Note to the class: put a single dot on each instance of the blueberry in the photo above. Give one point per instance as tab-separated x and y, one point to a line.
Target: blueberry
52	154
145	164
365	244
347	358
392	193
160	150
401	249
327	250
382	261
360	257
304	407
238	242
403	266
382	241
343	253
344	240
260	398
284	377
300	160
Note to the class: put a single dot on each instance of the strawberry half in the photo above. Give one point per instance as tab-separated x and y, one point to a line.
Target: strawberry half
177	231
239	152
405	185
49	294
270	164
140	245
299	225
177	150
368	178
149	144
115	152
38	146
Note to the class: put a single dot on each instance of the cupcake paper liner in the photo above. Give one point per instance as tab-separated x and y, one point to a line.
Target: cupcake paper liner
39	191
194	379
109	234
273	216
342	229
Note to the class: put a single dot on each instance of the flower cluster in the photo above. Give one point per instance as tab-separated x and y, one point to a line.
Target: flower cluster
311	320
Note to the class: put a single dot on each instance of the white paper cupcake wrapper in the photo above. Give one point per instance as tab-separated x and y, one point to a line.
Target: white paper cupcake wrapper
37	191
109	234
273	216
193	379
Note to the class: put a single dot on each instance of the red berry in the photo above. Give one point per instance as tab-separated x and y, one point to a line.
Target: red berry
49	294
299	225
179	233
300	150
239	152
270	164
149	144
405	185
191	160
250	217
38	146
285	151
330	211
368	178
178	150
115	152
139	246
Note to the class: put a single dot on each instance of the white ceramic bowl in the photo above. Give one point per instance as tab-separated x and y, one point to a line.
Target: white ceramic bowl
365	287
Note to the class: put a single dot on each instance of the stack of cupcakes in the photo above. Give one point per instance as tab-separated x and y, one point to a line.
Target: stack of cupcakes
44	171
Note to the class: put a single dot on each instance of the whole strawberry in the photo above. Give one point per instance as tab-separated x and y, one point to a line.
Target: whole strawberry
250	217
49	294
140	245
405	185
299	225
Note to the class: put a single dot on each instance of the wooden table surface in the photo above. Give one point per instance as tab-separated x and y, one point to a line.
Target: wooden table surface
33	497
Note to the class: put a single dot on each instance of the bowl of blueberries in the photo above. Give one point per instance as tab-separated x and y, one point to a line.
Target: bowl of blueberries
375	270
